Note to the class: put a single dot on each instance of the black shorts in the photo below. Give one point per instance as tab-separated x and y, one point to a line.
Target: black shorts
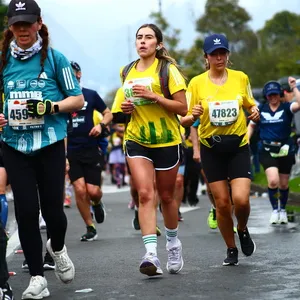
163	158
85	163
284	164
219	166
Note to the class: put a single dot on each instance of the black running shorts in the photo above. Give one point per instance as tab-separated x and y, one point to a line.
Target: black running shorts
85	163
219	166
163	158
284	164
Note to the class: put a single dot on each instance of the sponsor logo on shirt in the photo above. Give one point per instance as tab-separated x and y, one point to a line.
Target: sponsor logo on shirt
26	95
44	75
41	84
34	83
78	120
272	119
10	85
21	84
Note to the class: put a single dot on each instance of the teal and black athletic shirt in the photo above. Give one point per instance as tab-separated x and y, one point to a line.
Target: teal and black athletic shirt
21	82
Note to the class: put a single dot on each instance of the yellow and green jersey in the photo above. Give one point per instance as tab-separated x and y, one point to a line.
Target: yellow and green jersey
150	124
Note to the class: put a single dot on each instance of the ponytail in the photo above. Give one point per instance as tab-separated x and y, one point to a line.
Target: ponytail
44	51
7	37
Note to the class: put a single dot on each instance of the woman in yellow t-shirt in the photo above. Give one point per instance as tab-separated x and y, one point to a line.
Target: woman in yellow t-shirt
218	96
153	142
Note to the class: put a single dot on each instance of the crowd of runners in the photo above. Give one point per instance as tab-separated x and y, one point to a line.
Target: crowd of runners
162	137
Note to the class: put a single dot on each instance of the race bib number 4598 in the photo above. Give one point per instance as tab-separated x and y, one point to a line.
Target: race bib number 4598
223	113
19	119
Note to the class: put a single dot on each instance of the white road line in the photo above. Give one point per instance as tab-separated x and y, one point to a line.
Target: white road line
184	209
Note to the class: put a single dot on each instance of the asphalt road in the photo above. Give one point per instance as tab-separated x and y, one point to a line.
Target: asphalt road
109	266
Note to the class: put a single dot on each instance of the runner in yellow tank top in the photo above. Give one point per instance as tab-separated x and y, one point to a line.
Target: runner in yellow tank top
218	97
153	143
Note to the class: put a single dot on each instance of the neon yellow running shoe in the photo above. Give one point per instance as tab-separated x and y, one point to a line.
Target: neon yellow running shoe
212	219
158	231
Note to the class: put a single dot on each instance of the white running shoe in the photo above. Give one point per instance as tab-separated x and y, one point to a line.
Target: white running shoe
150	265
175	261
64	268
283	217
274	217
37	288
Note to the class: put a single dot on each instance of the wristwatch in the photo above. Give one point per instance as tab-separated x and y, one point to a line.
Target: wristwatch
103	126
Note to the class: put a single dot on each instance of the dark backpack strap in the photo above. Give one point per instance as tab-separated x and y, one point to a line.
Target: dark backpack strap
127	69
164	80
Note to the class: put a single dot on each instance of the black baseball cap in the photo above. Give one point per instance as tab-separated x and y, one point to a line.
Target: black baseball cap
23	11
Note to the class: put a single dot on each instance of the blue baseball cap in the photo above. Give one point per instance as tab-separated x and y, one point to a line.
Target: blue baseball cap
272	87
214	42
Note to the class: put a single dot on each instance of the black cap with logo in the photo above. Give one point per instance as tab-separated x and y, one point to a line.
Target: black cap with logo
23	11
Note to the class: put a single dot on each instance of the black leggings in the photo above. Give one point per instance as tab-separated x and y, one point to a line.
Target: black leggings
191	177
3	266
37	182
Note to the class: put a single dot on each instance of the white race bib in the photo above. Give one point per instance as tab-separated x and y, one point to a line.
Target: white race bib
129	94
223	113
19	119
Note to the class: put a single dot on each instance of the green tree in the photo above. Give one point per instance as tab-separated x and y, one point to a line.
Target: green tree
283	27
227	17
280	38
171	36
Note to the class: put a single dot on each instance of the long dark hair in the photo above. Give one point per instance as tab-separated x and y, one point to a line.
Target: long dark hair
162	55
8	36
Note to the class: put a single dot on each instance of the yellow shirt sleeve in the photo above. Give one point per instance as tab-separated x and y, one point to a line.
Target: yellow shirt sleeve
97	117
119	98
176	81
191	95
248	96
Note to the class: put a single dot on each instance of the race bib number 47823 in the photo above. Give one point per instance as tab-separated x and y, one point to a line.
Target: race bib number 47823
19	119
223	113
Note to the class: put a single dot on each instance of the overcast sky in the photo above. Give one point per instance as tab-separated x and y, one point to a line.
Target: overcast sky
105	29
113	13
